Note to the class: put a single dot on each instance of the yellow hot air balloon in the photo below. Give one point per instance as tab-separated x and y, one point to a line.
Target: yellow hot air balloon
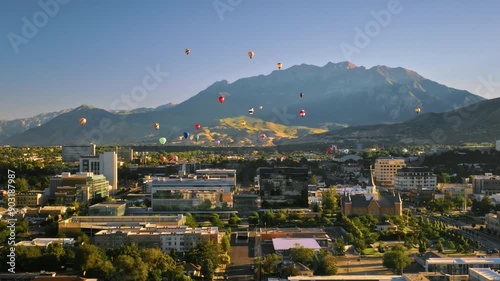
243	122
417	110
83	121
250	54
279	64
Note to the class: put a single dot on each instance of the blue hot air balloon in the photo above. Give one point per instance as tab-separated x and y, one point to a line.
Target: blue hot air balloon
186	135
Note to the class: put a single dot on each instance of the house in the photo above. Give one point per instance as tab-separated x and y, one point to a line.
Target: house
386	226
192	270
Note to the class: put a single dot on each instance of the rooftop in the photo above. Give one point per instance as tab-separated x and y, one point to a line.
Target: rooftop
463	261
281	244
486	273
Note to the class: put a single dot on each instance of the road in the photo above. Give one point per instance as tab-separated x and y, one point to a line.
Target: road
241	260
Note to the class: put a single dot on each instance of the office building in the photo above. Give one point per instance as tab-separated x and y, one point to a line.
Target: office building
487	184
386	169
81	187
283	187
108	209
105	164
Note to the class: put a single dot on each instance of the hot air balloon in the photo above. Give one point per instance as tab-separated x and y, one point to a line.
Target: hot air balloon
330	150
301	95
302	113
217	142
250	111
187	51
175	158
243	122
282	159
417	110
83	121
250	54
163	159
163	140
197	126
260	107
186	135
263	136
221	99
279	64
197	137
157	126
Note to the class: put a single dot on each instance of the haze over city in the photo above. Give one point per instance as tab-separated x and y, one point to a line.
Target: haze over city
94	52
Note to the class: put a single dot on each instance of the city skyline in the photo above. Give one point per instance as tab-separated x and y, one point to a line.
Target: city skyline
62	54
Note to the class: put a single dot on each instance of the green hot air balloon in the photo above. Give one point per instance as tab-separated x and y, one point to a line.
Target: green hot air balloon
197	137
163	140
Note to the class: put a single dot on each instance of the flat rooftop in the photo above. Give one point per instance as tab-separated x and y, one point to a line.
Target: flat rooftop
281	244
463	261
486	273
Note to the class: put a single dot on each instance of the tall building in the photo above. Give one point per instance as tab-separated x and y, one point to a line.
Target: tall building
386	169
411	178
372	202
72	153
105	164
282	187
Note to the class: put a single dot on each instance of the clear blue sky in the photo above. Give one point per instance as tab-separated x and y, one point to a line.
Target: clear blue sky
95	51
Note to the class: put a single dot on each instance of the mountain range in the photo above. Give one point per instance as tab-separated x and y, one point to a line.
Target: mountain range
335	96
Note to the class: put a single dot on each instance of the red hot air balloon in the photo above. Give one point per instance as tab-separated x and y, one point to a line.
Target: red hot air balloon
163	159
330	150
221	99
157	126
187	51
83	121
250	54
263	136
302	113
197	126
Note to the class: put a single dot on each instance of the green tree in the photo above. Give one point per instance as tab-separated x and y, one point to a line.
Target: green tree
21	185
225	245
191	221
339	246
444	178
253	219
396	260
207	270
329	200
327	264
130	268
302	255
234	220
440	247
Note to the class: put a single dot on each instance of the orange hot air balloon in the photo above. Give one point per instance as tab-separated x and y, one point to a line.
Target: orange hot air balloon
157	126
250	54
197	126
279	65
83	121
221	99
187	51
163	159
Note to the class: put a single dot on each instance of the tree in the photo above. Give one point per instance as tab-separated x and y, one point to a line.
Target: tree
339	246
440	247
329	200
444	178
313	180
207	270
191	221
396	260
21	185
253	219
225	245
234	220
130	268
302	255
327	264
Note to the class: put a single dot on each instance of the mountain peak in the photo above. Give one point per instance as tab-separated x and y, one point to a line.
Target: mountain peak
341	65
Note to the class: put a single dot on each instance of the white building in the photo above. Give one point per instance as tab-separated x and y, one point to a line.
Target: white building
386	169
459	266
411	178
105	164
45	242
483	274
